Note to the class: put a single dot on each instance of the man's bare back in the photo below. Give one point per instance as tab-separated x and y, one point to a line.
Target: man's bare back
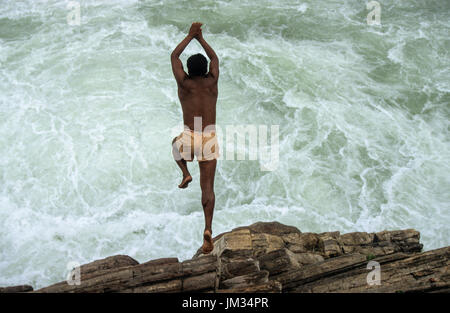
198	96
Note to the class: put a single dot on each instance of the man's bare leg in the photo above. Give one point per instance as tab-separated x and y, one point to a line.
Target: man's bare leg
207	173
182	164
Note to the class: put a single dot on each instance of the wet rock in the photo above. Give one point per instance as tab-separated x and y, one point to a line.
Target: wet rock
272	257
16	289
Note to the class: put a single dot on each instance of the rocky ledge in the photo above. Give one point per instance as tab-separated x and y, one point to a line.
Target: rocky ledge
272	257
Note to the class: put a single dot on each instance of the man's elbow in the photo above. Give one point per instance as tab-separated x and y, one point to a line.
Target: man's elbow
214	59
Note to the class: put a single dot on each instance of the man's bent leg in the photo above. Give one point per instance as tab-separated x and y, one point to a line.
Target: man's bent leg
182	164
207	173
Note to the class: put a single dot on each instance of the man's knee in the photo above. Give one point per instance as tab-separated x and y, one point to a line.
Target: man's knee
208	197
175	151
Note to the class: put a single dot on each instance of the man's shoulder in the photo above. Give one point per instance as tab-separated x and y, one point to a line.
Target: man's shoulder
207	81
211	76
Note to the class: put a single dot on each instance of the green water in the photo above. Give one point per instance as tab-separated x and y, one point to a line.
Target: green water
87	116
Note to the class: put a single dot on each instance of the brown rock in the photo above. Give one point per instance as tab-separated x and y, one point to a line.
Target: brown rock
167	286
238	268
202	282
204	264
97	268
16	289
357	238
269	287
236	244
271	228
304	242
401	240
399	272
265	243
271	257
333	234
308	258
297	277
330	246
278	261
247	280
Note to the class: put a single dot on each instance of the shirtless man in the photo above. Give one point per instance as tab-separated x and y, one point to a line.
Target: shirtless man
197	91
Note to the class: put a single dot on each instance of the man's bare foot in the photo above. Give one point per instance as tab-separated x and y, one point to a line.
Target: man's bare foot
208	244
185	182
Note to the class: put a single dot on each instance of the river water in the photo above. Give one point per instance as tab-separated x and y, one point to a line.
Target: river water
87	114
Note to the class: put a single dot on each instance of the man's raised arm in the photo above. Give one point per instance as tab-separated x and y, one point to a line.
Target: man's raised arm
177	65
214	60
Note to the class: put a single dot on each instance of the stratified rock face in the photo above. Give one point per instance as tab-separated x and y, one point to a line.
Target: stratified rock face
15	289
272	257
328	262
160	275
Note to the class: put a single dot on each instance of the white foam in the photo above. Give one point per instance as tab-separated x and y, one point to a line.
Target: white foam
86	113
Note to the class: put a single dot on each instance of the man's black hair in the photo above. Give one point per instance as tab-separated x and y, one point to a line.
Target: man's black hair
197	65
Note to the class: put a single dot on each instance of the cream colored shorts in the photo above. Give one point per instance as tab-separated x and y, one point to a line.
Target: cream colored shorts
203	145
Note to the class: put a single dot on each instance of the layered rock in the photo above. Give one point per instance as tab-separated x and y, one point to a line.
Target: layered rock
272	257
160	275
16	289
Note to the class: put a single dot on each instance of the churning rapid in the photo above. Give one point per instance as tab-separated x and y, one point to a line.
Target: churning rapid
87	114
